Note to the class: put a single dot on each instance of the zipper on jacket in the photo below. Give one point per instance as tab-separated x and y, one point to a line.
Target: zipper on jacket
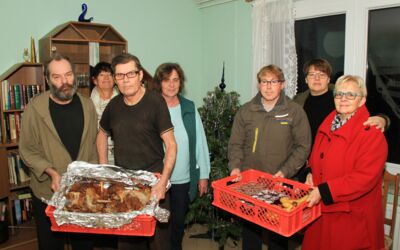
255	140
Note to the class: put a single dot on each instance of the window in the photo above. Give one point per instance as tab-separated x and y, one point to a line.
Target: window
322	37
383	74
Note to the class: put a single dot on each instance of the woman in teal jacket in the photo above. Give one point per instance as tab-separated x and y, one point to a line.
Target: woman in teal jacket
192	166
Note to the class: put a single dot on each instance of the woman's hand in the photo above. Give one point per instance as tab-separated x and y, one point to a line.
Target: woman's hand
309	180
377	122
203	185
314	197
236	172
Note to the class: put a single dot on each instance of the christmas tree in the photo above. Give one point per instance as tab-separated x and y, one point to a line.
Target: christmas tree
217	115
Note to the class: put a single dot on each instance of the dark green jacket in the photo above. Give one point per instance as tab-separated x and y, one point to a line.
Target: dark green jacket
189	121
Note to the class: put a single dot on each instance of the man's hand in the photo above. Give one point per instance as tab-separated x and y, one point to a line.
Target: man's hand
279	174
377	122
309	180
203	185
159	190
236	172
55	179
314	197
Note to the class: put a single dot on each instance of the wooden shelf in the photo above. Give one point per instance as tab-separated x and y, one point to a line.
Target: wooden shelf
17	78
72	39
14	187
9	144
13	110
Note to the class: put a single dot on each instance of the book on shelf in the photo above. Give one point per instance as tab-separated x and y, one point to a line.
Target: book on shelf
7	135
23	208
17	96
13	127
4	93
3	209
11	104
23	171
17	211
17	170
17	99
11	170
18	122
24	196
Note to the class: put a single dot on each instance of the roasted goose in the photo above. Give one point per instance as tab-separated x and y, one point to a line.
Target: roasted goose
93	196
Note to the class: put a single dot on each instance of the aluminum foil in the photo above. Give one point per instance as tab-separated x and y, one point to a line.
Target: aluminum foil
79	170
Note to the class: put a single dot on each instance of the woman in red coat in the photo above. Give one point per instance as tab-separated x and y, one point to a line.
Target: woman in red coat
347	163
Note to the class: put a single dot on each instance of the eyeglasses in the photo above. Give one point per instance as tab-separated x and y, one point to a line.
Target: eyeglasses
348	95
317	75
272	82
130	74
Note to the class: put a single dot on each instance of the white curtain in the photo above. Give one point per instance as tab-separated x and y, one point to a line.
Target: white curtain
274	40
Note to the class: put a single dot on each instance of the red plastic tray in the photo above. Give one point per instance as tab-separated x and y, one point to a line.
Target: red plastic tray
142	225
269	216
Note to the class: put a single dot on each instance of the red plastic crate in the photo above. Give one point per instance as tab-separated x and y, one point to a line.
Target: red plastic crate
142	225
269	216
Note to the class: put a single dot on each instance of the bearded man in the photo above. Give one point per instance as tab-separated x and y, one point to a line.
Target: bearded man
58	126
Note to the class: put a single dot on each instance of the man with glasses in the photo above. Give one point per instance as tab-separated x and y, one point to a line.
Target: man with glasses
318	100
58	126
140	125
270	133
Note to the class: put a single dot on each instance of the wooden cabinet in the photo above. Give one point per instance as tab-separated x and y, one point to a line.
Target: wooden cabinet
18	85
84	43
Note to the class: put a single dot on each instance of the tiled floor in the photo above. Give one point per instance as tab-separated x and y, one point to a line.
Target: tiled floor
208	244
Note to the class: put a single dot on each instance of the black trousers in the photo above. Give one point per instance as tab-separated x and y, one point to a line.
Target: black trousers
179	208
252	238
160	240
49	240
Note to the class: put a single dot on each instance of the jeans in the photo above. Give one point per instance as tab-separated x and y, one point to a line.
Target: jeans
179	208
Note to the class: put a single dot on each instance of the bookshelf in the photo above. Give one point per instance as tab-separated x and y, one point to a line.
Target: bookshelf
18	85
82	42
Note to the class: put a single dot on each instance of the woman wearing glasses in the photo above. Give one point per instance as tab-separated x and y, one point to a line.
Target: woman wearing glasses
347	163
317	101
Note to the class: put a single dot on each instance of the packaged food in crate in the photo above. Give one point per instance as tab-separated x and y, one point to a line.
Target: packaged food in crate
105	199
277	204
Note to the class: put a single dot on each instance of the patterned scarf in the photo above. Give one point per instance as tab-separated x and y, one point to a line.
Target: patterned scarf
338	122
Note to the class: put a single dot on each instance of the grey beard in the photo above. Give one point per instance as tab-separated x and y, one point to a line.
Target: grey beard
60	95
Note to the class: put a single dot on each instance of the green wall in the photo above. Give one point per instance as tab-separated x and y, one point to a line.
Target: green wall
227	37
200	39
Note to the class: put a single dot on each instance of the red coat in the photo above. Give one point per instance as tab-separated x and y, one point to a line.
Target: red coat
350	161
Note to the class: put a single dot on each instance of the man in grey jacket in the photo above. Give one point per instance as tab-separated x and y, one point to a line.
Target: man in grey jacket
270	133
58	127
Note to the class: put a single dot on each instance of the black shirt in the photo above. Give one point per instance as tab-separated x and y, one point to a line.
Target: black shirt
317	109
136	131
68	121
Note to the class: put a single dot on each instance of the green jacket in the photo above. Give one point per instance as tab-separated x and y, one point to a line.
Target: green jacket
189	121
278	140
40	146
